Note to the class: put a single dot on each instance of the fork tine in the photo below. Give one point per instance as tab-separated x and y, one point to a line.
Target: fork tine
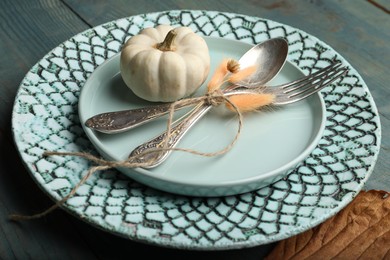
323	74
314	83
318	86
296	83
288	98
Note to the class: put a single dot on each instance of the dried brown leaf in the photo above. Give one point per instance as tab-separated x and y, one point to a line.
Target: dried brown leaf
361	230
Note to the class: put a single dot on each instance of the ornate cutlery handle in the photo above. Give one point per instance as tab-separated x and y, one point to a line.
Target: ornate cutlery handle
120	121
177	132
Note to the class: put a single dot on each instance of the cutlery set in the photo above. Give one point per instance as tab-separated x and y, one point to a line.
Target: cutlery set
269	57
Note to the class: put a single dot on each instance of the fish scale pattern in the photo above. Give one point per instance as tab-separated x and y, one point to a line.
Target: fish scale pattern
46	118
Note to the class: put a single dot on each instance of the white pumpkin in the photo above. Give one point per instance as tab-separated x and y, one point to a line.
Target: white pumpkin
165	63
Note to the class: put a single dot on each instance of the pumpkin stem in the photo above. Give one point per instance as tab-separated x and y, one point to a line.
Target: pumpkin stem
167	44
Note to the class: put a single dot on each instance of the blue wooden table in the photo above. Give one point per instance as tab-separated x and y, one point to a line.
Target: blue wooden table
358	30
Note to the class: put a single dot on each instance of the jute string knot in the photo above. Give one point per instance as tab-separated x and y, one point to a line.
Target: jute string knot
215	98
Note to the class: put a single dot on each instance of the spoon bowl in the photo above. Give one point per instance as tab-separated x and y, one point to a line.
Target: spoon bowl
269	57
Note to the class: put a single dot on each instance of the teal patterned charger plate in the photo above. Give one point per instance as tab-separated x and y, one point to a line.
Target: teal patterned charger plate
45	117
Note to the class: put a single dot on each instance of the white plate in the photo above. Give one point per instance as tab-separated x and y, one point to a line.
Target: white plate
45	117
272	142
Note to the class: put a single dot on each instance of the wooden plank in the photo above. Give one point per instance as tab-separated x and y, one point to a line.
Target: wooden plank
28	30
384	5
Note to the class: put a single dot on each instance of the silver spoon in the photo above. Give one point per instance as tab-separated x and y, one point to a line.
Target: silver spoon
269	57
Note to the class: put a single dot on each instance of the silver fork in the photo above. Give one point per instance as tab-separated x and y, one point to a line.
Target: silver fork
284	94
